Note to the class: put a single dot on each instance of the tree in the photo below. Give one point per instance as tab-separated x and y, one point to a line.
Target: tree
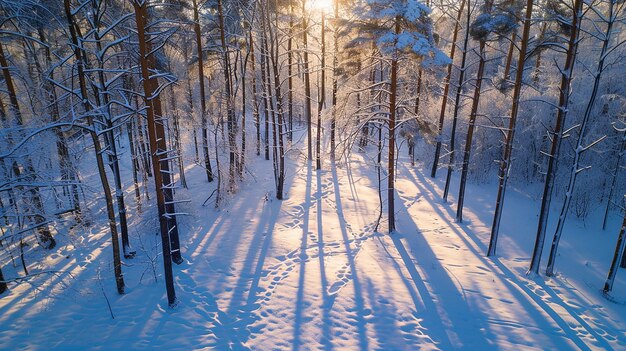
620	248
401	28
557	133
158	148
485	24
204	122
457	103
321	96
581	145
446	90
76	43
307	82
505	163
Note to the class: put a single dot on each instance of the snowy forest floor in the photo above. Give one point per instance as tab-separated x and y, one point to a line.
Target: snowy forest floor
310	272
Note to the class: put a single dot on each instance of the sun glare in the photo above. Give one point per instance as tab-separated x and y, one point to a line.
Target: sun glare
321	5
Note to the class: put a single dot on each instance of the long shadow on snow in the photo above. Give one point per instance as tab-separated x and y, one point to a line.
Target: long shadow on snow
517	288
358	295
298	320
443	297
326	299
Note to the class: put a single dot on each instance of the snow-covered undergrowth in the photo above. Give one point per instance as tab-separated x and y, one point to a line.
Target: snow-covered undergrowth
310	272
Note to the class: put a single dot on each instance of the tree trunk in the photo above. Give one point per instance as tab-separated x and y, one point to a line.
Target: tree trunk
3	284
290	72
177	140
333	121
470	132
110	137
266	88
446	90
457	103
393	91
580	147
617	257
320	98
257	118
78	53
307	83
505	163
158	148
278	134
203	119
557	136
230	106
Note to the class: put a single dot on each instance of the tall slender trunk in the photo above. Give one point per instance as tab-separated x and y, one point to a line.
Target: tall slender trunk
278	134
580	147
159	150
620	248
135	163
457	103
203	117
446	91
393	91
230	108
84	96
244	70
145	153
3	284
321	97
557	135
267	99
470	132
177	139
333	121
505	163
540	37
257	118
307	83
290	73
112	152
509	60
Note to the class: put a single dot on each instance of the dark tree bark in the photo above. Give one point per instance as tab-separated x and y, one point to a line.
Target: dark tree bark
446	91
307	83
393	92
333	121
156	133
620	247
205	141
470	132
321	97
257	118
84	96
557	135
580	148
505	163
457	103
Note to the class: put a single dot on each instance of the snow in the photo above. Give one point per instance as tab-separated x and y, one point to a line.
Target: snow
309	272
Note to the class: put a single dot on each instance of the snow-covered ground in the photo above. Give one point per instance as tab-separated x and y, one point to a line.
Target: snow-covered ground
311	272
